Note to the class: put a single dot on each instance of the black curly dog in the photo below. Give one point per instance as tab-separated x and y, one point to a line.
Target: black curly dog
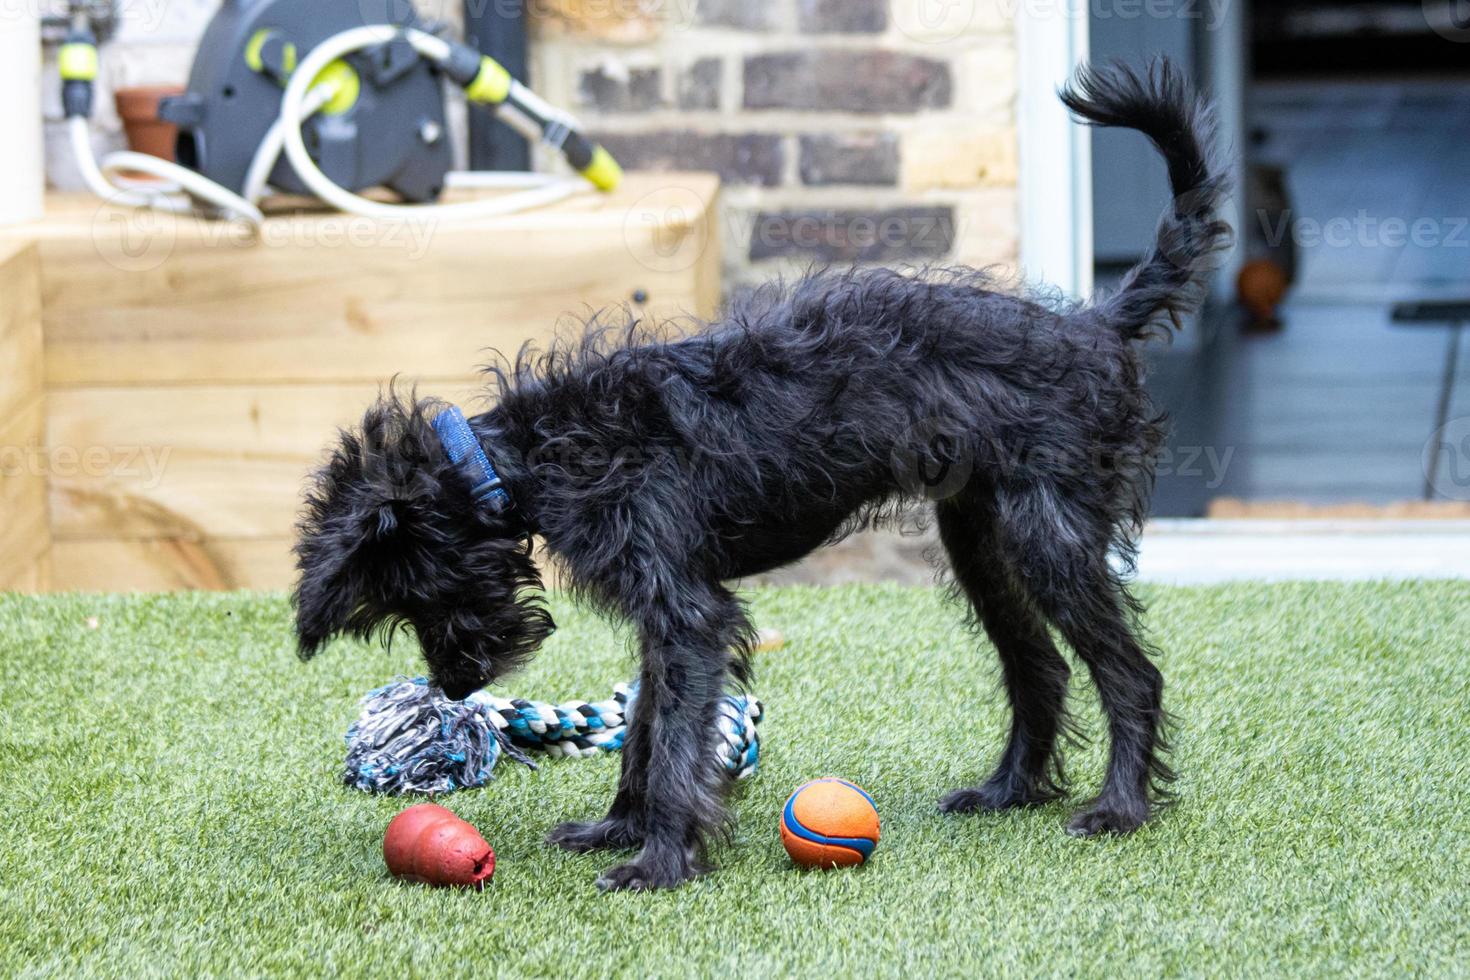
656	469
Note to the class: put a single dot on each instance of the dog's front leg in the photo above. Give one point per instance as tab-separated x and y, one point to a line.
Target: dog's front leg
672	783
671	794
623	827
673	678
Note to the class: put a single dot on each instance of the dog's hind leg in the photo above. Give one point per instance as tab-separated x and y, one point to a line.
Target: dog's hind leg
1063	559
1030	769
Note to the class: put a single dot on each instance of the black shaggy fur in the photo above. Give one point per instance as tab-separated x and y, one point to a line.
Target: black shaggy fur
657	469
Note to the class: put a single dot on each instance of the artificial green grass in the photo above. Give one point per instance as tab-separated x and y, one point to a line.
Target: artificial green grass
170	799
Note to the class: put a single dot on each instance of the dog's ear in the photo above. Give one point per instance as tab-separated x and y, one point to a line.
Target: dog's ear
356	548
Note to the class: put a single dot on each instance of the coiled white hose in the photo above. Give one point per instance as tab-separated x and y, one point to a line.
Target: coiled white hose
167	196
178	184
545	191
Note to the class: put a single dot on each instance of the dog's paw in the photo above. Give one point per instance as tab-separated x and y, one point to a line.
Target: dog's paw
598	835
649	871
992	796
1110	817
972	798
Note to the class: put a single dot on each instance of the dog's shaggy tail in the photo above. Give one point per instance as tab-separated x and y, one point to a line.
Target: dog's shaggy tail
1170	281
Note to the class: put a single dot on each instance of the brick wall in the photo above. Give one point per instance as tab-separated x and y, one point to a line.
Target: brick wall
845	130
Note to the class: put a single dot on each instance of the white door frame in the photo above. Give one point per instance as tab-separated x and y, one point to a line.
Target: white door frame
1055	152
1227	72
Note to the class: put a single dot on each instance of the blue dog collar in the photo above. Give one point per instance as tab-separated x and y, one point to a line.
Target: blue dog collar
465	451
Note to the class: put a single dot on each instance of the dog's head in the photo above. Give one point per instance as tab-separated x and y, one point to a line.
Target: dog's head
392	535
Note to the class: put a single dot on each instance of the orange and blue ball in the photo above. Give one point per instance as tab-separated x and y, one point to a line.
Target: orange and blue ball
829	823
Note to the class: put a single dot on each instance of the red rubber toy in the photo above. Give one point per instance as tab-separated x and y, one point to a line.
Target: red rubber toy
429	844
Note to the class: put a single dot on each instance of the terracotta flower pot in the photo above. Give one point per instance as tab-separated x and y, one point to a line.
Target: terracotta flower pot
1261	286
428	843
138	108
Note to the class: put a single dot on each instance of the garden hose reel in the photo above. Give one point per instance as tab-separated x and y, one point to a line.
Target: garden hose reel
311	98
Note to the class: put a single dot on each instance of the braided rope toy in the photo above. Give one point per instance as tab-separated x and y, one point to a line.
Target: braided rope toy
409	738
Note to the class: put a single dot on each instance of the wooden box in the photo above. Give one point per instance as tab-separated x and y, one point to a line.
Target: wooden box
24	528
193	376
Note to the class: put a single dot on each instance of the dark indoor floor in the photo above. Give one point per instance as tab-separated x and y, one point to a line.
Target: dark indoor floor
1339	404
